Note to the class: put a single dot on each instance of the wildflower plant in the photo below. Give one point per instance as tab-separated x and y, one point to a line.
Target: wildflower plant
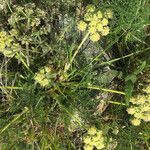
94	139
44	83
26	26
45	76
28	18
95	23
8	46
30	22
140	107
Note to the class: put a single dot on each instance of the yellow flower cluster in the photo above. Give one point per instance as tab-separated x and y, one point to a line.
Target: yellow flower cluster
7	44
42	77
94	139
27	11
140	108
29	18
95	22
147	89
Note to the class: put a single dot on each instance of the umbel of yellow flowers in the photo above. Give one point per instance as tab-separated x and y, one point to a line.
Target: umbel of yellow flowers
8	46
95	22
42	77
94	139
140	107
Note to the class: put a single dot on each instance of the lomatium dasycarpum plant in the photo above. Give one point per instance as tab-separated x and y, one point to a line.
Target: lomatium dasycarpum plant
45	76
94	139
95	23
27	28
140	107
8	46
29	20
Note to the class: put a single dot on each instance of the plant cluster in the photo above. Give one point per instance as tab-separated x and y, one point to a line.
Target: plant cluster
95	22
8	46
29	19
44	76
140	107
94	138
60	89
28	26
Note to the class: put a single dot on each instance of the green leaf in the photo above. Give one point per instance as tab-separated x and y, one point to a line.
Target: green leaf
132	76
95	1
130	80
128	90
138	71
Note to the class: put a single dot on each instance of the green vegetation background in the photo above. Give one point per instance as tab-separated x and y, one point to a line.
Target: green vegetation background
34	117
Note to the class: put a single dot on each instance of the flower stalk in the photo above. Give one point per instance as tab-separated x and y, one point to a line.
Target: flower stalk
67	66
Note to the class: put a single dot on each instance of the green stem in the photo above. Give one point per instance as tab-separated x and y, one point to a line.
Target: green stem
27	54
106	90
23	62
67	66
95	87
17	117
7	3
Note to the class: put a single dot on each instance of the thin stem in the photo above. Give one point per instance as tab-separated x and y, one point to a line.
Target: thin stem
27	54
17	117
7	3
67	66
106	90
